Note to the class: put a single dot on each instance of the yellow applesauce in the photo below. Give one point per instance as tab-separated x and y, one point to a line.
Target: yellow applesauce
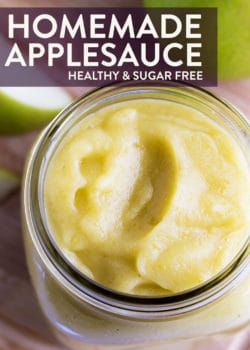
148	197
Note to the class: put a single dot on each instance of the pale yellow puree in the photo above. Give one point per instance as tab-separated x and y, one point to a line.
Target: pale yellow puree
148	197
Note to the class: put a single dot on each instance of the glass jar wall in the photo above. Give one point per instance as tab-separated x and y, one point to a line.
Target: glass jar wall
83	312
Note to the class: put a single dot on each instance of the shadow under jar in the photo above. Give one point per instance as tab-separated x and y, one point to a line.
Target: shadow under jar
82	311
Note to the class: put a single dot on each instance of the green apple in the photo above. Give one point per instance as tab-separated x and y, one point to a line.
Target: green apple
9	182
233	32
27	108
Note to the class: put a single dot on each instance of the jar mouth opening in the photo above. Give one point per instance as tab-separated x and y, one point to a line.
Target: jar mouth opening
62	269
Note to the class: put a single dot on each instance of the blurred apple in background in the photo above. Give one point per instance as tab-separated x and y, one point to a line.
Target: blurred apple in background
8	183
28	108
233	33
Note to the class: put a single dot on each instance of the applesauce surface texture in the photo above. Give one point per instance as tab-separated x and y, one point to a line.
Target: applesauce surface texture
148	197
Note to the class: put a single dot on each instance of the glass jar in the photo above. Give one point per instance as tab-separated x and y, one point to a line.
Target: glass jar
81	311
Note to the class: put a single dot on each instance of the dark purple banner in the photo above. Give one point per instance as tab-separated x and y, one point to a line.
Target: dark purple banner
93	46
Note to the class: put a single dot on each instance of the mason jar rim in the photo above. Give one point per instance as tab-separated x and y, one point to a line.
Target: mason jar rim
71	279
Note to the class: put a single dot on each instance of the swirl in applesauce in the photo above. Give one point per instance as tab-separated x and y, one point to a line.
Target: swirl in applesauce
148	197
